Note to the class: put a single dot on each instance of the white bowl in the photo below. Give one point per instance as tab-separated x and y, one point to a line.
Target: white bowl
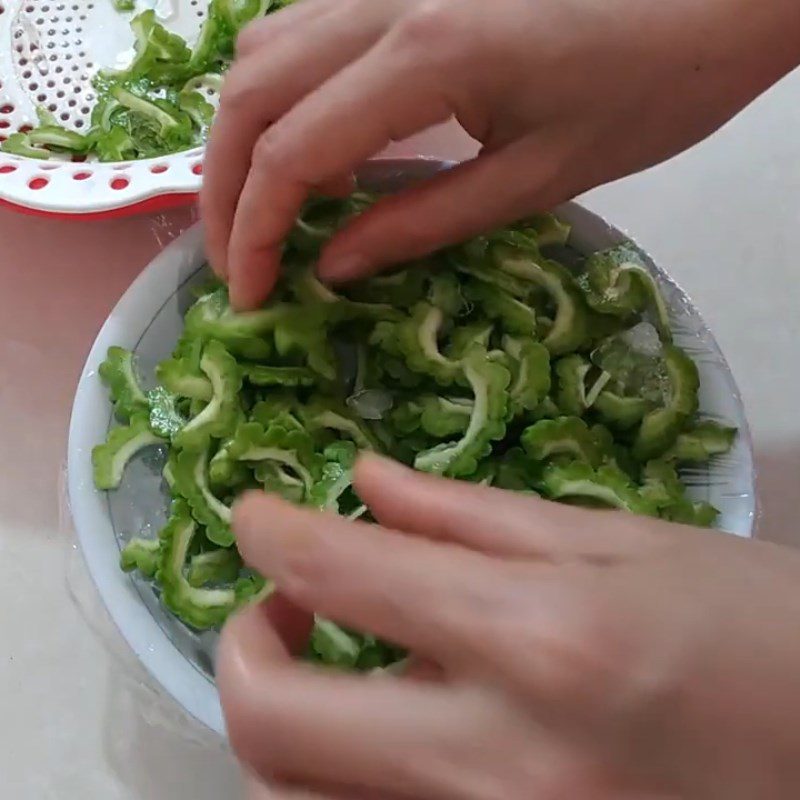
148	320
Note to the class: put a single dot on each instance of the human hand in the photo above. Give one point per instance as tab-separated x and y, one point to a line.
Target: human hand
564	95
576	653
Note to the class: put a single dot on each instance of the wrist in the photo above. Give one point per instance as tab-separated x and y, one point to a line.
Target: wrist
716	55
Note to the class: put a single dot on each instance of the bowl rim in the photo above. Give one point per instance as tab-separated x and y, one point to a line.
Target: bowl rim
162	660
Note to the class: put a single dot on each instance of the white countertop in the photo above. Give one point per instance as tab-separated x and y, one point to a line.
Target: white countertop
724	219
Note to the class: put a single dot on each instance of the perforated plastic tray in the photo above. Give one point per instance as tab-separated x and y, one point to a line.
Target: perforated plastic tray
49	52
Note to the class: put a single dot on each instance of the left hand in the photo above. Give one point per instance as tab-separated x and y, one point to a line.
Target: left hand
563	95
575	653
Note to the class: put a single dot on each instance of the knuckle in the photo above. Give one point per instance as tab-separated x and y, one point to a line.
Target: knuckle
573	649
436	34
570	656
238	91
311	569
252	36
269	154
428	26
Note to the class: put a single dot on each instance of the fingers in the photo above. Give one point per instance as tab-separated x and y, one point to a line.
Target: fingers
438	600
248	640
300	48
501	523
273	631
311	733
270	29
296	725
472	198
372	101
453	511
292	624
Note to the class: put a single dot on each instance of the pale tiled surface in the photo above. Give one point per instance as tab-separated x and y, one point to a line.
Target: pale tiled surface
725	219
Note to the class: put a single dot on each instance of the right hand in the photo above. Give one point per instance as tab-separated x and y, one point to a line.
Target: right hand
570	653
563	94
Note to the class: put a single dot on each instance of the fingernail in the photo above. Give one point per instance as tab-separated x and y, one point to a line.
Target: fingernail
343	268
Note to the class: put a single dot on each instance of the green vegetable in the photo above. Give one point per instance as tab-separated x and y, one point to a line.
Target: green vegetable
463	339
570	328
158	52
263	375
163	119
197	108
115	145
19	144
211	317
118	373
685	512
660	428
402	289
619	283
661	484
333	646
568	436
214	567
574	396
307	288
142	555
212	42
513	315
190	476
417	340
445	293
198	607
702	442
437	416
152	107
547	229
110	458
324	413
59	139
306	338
445	416
607	486
219	417
515	471
182	375
485	363
489	382
282	441
336	476
620	412
277	479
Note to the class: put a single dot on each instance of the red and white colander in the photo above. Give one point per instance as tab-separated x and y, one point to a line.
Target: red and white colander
49	52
